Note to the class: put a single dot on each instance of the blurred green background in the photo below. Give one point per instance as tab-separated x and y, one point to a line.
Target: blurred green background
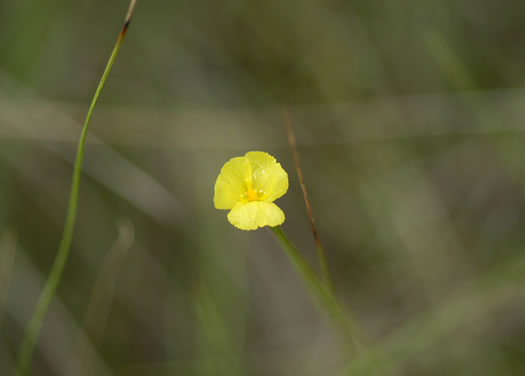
410	121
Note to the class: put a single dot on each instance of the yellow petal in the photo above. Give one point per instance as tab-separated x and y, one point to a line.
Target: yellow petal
269	178
231	183
254	214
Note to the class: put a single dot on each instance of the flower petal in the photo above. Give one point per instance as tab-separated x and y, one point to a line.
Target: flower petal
231	183
268	175
254	214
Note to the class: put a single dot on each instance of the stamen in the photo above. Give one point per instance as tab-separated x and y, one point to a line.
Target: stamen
251	194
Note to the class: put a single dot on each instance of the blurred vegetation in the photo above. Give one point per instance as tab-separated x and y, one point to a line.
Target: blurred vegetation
409	118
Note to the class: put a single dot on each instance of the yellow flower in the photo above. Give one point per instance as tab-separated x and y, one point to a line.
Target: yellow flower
248	186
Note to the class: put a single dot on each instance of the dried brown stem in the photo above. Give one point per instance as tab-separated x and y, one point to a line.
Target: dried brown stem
127	20
293	146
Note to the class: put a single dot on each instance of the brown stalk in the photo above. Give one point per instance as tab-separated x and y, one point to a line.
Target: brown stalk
293	147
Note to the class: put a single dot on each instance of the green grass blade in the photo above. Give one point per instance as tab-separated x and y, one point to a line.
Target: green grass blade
35	324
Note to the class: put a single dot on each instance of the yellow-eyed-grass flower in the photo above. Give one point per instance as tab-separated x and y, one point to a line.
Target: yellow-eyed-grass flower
248	186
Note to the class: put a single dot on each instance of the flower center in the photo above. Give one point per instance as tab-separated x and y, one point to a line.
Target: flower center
251	194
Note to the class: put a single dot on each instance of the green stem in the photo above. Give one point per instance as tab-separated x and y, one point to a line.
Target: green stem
25	354
323	268
323	294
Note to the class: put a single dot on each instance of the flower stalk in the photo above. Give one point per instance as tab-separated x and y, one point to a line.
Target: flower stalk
326	300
